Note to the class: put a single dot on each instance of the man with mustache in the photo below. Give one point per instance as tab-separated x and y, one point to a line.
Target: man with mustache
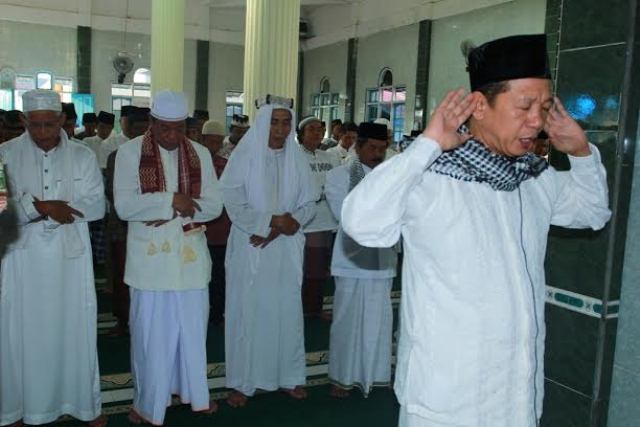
360	341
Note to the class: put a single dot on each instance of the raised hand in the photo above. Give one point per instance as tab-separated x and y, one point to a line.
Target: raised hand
453	111
57	210
565	134
184	205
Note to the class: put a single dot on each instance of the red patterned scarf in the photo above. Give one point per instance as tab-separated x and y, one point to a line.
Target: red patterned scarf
152	174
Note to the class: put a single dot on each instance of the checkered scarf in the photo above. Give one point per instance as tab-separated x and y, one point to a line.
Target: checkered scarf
356	173
473	162
151	172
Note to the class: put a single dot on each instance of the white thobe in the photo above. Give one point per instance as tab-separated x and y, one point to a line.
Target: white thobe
169	294
361	328
264	334
472	313
339	152
97	146
48	313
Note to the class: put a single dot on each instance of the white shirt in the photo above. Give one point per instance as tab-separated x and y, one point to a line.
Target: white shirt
472	314
155	255
350	259
320	163
340	152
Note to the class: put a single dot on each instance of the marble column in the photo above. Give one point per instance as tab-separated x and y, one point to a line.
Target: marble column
271	50
167	44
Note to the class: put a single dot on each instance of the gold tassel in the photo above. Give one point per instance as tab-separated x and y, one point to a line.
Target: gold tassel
166	247
188	254
152	250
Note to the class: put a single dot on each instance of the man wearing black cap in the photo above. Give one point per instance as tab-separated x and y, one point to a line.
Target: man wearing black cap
103	131
69	125
89	122
201	117
360	340
474	206
194	130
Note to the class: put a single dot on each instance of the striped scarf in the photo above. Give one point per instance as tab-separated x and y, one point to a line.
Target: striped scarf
473	162
151	172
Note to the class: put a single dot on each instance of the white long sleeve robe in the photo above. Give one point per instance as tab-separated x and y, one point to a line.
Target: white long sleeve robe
154	260
264	333
48	311
472	314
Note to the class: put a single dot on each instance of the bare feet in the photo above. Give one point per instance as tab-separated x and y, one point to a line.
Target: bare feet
297	393
338	392
101	421
213	408
237	399
135	418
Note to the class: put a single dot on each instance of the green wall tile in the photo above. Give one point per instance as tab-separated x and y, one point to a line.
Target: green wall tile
571	347
589	84
564	408
594	22
202	75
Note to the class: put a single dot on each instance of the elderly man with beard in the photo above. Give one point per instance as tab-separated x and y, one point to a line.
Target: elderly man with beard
270	196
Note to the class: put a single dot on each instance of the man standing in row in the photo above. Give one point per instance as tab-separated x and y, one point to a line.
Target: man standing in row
239	126
217	230
48	311
166	189
320	230
474	206
89	122
345	147
103	132
269	195
360	340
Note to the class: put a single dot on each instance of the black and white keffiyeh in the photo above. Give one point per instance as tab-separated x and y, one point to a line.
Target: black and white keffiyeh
356	173
473	162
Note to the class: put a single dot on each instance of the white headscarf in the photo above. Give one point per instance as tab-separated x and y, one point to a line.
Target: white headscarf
249	158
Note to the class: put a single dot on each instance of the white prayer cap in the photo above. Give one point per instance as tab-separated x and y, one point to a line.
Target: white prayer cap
41	100
306	121
212	127
383	121
169	106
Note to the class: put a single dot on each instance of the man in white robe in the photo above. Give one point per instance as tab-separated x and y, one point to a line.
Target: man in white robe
165	188
360	340
103	132
48	312
319	232
269	195
343	150
474	213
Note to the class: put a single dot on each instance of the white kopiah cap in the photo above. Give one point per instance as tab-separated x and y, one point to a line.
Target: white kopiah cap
169	106
41	100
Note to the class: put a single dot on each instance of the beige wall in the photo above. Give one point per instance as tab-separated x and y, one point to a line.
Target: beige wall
396	49
330	62
226	64
447	65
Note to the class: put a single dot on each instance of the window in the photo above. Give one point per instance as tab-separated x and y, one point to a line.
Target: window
138	93
64	86
234	105
324	104
44	81
142	76
387	101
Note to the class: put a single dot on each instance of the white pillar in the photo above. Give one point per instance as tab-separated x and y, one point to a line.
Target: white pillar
270	50
167	44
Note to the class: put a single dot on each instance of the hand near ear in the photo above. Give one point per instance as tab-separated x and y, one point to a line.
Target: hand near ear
565	134
453	111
